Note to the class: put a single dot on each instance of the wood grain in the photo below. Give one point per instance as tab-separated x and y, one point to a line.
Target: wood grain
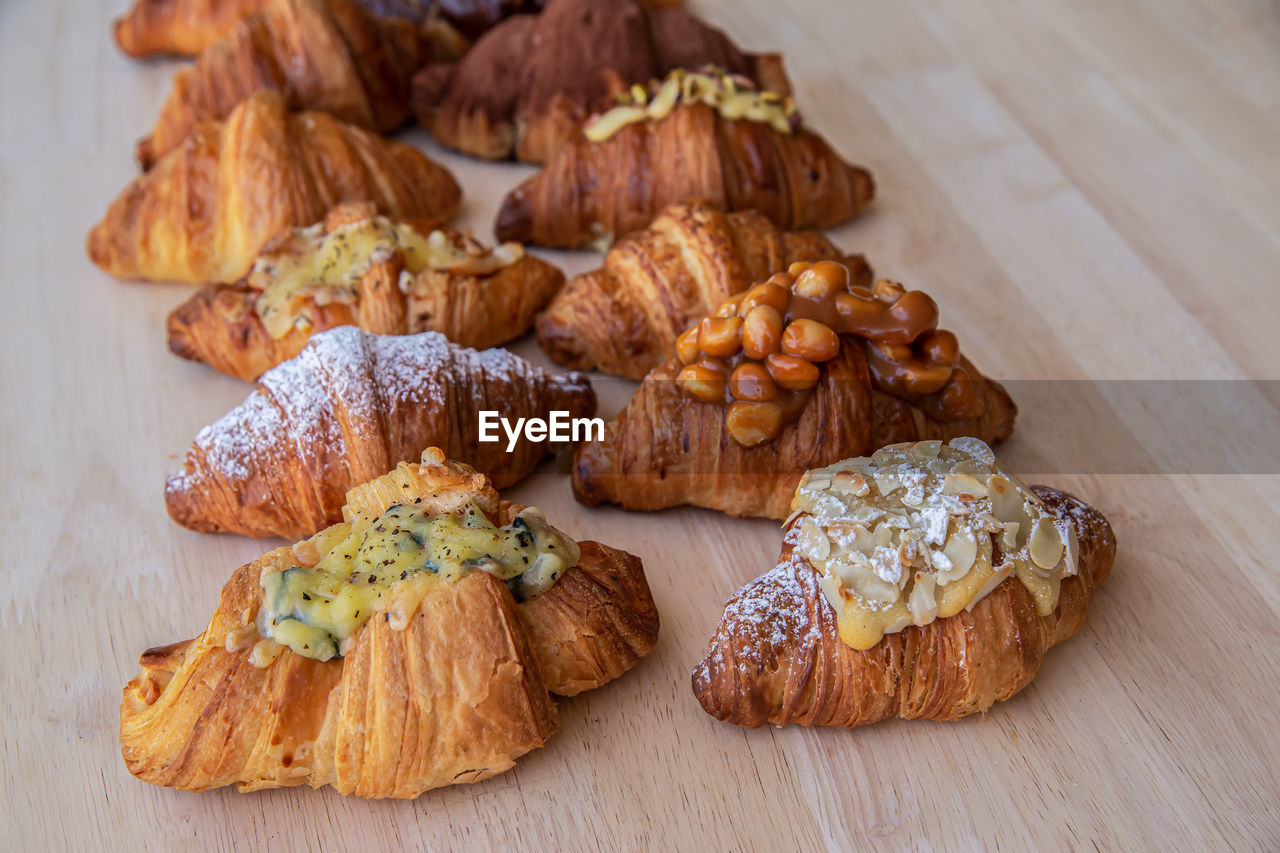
1089	188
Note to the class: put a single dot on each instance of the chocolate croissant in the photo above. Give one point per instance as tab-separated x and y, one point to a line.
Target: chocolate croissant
360	269
348	408
208	207
690	139
527	85
328	55
923	583
411	646
796	373
624	318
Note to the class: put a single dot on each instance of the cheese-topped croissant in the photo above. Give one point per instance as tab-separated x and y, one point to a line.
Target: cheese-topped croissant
358	268
796	373
924	582
411	646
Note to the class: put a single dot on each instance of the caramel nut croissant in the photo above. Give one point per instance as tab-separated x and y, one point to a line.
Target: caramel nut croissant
328	55
780	654
526	86
592	192
440	675
348	408
624	318
388	278
208	207
761	392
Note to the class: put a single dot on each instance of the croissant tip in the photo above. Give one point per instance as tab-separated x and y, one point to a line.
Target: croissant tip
145	153
514	223
864	186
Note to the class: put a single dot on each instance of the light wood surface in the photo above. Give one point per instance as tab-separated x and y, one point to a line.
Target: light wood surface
1090	188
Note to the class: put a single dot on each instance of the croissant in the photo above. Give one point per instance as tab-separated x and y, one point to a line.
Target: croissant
446	679
801	645
624	318
207	209
757	397
349	407
449	284
526	86
589	193
328	55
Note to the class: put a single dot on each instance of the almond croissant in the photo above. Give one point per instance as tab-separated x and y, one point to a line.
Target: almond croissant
526	86
624	318
348	408
757	397
208	207
386	282
445	679
328	55
781	653
589	193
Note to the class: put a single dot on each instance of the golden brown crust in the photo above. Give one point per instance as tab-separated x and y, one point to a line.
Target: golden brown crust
593	192
777	656
328	55
668	449
624	318
183	27
454	697
220	324
348	408
528	84
207	208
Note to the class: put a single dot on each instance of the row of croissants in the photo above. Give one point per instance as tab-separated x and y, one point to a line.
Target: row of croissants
414	634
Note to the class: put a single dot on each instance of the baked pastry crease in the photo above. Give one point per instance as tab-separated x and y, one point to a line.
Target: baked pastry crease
687	437
443	685
527	85
624	317
328	55
475	297
207	208
778	655
349	407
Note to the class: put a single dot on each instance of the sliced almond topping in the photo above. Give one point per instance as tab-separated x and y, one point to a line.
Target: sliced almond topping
975	447
962	550
923	602
850	483
814	544
963	484
1046	544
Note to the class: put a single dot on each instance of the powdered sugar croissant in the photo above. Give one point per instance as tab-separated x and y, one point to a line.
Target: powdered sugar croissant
837	635
348	408
208	207
358	268
624	318
413	645
328	55
795	373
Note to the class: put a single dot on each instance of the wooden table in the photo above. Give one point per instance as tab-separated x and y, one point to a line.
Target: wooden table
1090	188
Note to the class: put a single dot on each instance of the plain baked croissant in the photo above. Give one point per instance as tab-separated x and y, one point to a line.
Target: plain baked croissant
208	207
452	687
778	655
624	317
679	440
590	193
348	408
480	307
526	86
328	55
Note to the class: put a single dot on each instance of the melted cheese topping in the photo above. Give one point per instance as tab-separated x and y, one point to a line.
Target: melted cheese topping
326	267
389	564
922	531
732	96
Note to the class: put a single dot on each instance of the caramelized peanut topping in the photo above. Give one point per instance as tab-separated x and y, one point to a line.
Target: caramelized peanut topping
759	352
922	531
732	95
325	265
